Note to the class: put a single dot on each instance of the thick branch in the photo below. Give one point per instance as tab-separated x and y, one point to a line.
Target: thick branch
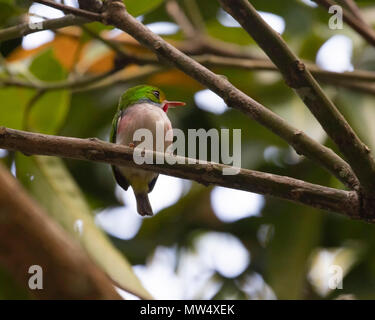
345	202
298	77
52	24
29	237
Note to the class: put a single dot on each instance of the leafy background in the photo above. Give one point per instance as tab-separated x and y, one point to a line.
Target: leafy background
204	242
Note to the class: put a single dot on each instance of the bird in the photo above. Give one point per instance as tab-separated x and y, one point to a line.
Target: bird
140	107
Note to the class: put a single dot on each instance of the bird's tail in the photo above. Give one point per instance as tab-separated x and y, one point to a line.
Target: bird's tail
143	204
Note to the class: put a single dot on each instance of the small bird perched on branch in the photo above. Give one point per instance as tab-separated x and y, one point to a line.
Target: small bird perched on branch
140	107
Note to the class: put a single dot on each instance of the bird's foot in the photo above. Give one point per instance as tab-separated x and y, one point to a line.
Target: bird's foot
94	139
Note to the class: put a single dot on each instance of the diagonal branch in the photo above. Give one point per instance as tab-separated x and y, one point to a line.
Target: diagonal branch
68	9
345	202
353	8
299	78
357	24
181	19
52	24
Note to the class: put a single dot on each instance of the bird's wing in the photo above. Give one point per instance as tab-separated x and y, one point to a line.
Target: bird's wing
122	182
151	185
115	121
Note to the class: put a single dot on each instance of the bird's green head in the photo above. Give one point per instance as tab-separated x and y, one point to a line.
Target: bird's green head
146	94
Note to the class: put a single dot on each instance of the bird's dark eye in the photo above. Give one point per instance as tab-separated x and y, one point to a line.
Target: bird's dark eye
156	94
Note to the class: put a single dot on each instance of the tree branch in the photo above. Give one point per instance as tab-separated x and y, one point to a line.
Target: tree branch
236	61
174	10
357	24
345	202
52	24
29	237
85	83
59	85
195	15
368	88
353	8
299	78
68	9
266	65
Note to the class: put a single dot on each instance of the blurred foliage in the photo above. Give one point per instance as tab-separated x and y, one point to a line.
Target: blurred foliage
74	190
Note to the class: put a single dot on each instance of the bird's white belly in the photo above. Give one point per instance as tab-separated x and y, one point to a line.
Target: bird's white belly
141	116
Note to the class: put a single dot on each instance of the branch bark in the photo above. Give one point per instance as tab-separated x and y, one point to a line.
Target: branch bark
29	237
353	8
68	9
299	78
52	24
174	10
344	202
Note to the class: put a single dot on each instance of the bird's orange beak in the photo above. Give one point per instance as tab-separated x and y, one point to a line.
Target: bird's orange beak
172	104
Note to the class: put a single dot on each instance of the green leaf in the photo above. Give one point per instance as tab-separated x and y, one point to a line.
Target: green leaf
50	110
51	184
13	103
46	67
47	114
138	7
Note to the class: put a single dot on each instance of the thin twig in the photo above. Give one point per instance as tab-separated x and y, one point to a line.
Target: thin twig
345	202
266	65
68	9
52	24
50	86
368	88
122	77
195	15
